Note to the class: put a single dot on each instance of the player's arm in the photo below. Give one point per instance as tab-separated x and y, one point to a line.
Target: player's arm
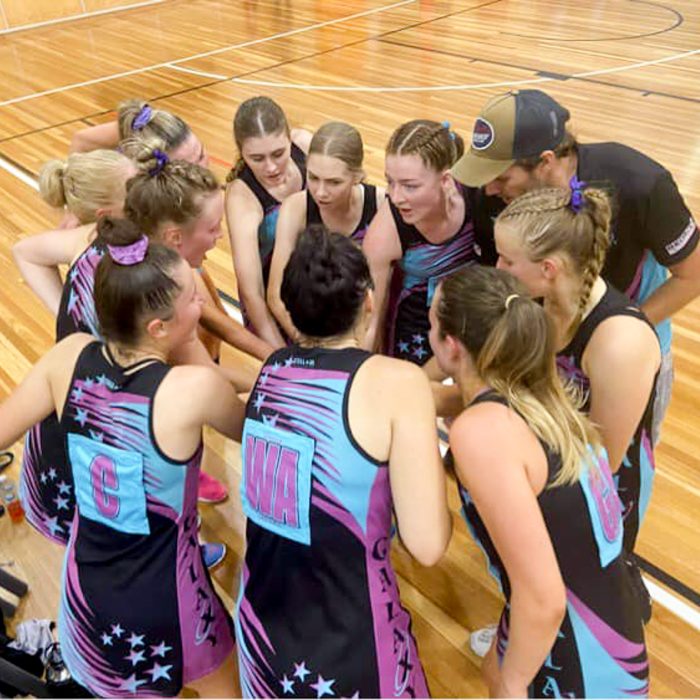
289	224
493	472
621	362
672	235
382	247
42	391
243	216
93	137
415	469
39	256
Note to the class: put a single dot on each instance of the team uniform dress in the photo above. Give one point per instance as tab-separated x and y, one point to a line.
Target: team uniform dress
271	210
636	475
138	613
369	209
46	483
423	264
319	612
600	649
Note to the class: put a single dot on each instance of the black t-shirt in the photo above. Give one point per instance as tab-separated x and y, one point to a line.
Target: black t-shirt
649	213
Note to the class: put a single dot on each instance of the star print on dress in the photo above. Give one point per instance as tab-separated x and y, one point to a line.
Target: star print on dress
63	487
420	352
160	649
159	671
52	473
117	630
77	394
263	378
289	362
404	347
259	400
322	686
418	338
81	416
300	671
131	684
52	524
287	685
97	435
276	366
106	639
43	478
270	420
136	640
135	656
61	503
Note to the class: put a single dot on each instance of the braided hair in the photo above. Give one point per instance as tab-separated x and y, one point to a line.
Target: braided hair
436	144
547	224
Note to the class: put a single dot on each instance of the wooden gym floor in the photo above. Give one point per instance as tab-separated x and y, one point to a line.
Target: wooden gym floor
628	70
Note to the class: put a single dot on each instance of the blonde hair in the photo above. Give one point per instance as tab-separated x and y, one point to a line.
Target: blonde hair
339	140
85	182
170	128
168	192
437	146
512	342
546	224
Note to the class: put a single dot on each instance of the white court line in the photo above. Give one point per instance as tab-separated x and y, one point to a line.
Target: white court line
685	612
213	52
468	86
204	74
82	15
19	174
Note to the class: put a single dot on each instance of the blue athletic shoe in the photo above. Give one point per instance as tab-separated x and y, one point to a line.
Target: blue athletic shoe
213	553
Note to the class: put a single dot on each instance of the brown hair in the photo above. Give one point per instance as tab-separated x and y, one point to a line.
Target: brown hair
567	147
162	125
339	140
256	117
547	224
127	296
511	340
85	182
172	194
438	147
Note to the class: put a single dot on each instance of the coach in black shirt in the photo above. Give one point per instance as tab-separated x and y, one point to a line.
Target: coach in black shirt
520	142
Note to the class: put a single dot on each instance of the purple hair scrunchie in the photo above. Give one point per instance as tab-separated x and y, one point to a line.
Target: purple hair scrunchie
142	118
131	254
161	161
577	186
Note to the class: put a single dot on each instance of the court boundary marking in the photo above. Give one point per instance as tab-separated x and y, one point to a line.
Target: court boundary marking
679	21
466	86
205	54
75	18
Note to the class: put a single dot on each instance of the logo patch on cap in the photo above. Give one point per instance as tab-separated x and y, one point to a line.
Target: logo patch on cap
483	135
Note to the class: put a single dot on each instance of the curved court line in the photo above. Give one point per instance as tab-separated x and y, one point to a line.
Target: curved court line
679	20
468	86
213	52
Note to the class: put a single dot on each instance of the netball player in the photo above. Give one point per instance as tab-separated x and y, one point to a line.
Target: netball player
538	498
424	228
135	449
271	166
336	441
336	197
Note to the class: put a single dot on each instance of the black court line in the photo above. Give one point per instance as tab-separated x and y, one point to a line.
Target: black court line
543	73
673	583
679	20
